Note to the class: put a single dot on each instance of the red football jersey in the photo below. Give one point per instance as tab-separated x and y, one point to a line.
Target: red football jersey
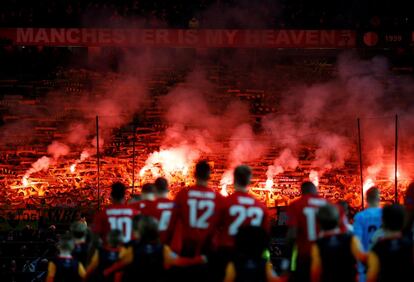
197	212
302	216
241	209
162	211
115	216
145	207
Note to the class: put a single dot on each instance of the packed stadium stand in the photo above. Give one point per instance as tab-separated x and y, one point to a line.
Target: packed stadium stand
76	119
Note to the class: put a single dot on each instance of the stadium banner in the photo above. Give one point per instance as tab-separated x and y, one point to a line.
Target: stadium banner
179	38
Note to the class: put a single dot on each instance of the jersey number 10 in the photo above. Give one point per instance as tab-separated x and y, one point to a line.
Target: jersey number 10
124	224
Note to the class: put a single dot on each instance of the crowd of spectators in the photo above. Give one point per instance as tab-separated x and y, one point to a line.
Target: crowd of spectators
25	253
39	254
206	13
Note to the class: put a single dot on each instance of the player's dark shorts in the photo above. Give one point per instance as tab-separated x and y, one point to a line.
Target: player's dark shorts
302	271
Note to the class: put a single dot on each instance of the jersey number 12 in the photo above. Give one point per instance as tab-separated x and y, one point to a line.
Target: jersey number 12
200	212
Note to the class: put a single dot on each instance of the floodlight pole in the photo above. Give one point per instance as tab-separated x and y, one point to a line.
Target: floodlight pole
133	160
396	161
360	162
98	162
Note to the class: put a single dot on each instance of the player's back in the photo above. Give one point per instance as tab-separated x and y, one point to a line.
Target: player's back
248	269
302	216
197	209
107	257
80	252
162	212
338	262
395	259
147	264
366	223
241	209
67	269
115	216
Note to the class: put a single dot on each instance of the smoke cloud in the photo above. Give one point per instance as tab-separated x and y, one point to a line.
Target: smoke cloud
57	149
285	161
323	115
199	123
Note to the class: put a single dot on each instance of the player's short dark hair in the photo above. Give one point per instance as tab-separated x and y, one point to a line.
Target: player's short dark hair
202	170
78	229
308	187
161	185
373	195
242	175
115	237
251	241
148	229
328	217
148	188
66	243
393	217
118	191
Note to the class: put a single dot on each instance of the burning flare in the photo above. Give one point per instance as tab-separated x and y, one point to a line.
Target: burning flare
269	184
169	162
84	155
314	178
368	184
73	168
392	175
286	160
25	181
226	179
223	191
56	149
41	164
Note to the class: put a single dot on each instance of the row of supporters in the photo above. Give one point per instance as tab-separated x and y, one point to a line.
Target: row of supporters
201	236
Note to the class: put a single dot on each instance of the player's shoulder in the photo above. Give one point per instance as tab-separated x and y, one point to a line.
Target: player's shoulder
244	199
182	193
163	200
121	209
360	215
127	207
230	199
373	211
135	205
203	192
315	200
306	201
164	203
298	204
